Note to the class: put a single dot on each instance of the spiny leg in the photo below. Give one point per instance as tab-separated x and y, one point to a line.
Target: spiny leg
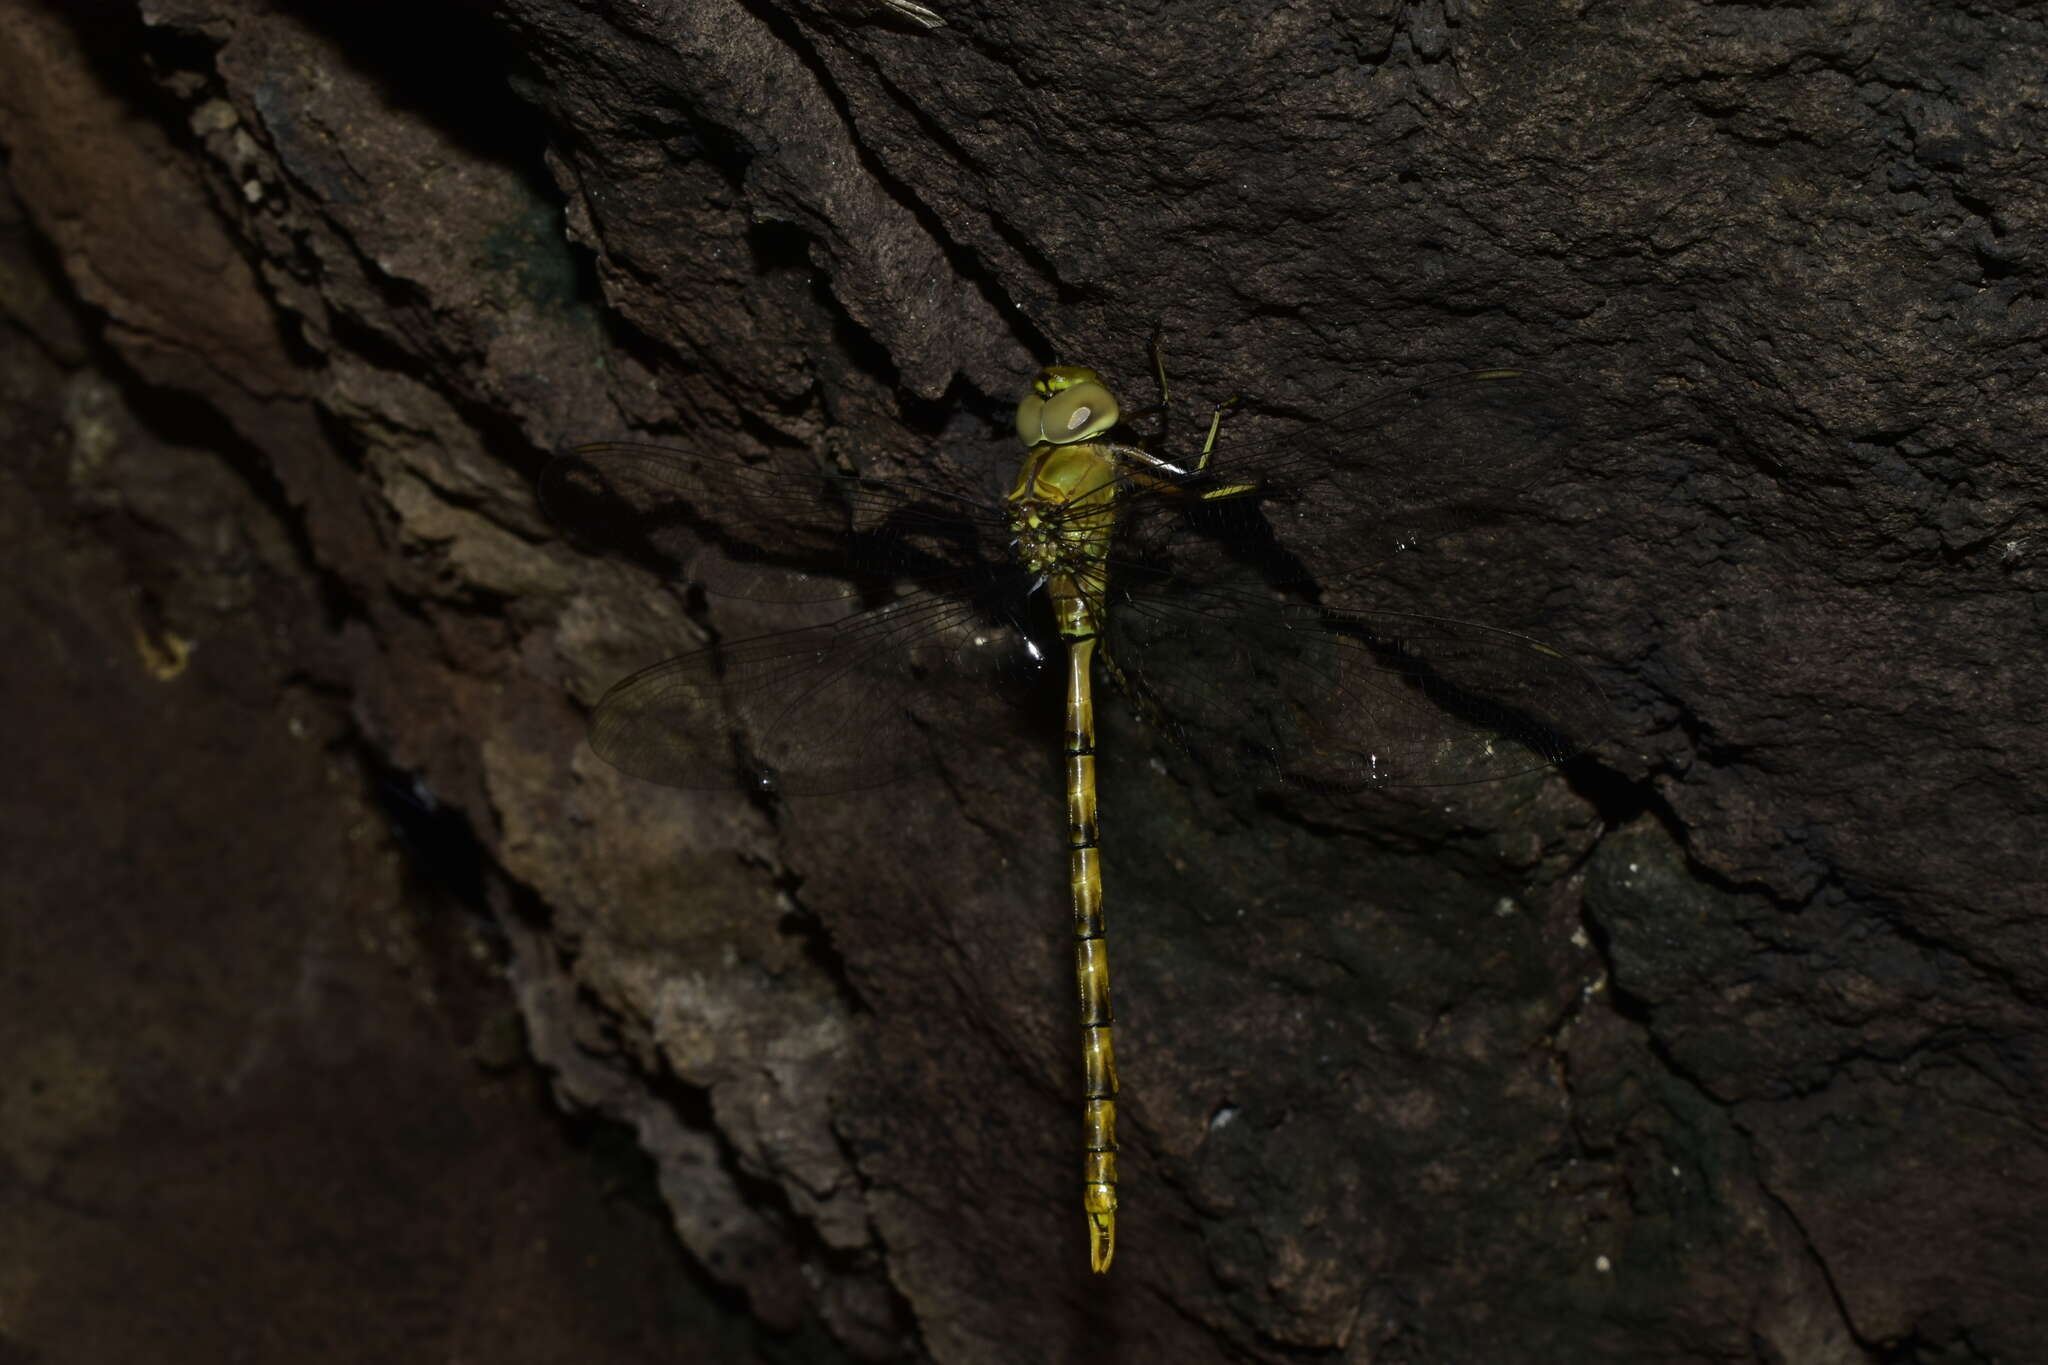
1138	695
1158	409
1159	373
1215	416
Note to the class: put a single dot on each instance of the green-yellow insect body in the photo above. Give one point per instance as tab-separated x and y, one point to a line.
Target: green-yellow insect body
1062	512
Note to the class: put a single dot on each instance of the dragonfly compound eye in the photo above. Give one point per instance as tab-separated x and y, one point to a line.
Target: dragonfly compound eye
1028	413
1079	413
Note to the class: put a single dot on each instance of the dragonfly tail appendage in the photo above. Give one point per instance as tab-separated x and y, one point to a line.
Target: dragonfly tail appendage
1091	964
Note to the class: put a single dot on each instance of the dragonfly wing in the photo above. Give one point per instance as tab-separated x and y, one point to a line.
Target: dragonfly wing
1341	700
767	532
858	703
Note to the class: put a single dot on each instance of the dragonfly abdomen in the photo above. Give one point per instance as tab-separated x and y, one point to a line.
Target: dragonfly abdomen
1091	960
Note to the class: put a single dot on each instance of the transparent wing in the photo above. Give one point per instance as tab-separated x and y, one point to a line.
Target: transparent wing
1330	500
1271	685
780	534
831	708
1290	691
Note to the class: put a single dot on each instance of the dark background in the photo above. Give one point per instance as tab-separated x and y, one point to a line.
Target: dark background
354	1010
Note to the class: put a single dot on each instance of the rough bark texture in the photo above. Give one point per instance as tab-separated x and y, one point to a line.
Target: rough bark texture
1723	1044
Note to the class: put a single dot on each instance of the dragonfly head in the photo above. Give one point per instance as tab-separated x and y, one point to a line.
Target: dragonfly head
1067	403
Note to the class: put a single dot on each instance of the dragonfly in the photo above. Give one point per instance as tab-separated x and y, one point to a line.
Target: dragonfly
1224	597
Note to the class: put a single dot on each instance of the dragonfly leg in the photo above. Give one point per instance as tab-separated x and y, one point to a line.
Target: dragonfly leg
1159	370
1140	697
1209	448
1215	417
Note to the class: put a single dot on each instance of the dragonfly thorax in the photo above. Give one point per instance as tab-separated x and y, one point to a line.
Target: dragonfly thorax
1063	508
